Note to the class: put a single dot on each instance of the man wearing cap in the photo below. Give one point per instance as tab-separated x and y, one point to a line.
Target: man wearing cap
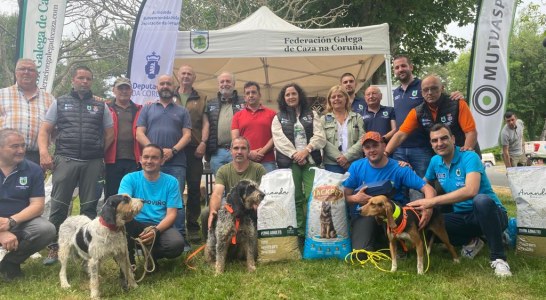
366	233
123	155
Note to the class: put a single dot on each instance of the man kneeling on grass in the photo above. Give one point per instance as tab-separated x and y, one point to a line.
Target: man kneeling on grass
477	210
162	201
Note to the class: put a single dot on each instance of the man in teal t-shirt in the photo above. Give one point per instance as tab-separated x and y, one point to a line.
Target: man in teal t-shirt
162	199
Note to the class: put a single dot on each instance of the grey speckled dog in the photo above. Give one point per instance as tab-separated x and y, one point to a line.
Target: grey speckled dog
95	240
235	226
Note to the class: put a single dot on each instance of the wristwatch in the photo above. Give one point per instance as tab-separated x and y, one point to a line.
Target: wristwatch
174	151
11	222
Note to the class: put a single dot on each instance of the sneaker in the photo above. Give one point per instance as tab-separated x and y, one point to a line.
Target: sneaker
36	255
473	248
10	271
52	255
502	269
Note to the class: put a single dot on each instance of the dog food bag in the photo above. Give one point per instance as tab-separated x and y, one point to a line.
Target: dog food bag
277	226
528	185
327	233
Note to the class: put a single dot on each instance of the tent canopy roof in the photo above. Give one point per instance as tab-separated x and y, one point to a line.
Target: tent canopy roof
266	49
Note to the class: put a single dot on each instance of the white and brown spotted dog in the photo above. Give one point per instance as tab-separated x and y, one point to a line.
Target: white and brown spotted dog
235	227
403	224
95	240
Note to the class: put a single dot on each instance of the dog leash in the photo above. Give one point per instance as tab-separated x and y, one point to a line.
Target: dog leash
373	257
146	252
192	255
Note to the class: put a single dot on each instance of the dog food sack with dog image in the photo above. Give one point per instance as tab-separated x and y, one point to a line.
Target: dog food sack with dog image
277	226
327	232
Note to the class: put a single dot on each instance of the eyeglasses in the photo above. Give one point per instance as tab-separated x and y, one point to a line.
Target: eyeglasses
432	89
372	94
26	70
442	138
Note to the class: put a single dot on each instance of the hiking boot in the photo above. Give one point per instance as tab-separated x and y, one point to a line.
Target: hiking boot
10	271
473	248
502	269
52	255
194	236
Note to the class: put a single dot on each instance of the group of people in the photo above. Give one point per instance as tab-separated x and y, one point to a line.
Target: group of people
153	151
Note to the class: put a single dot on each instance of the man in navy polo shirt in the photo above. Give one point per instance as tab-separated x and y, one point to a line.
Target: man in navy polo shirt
376	116
22	229
347	81
167	125
414	149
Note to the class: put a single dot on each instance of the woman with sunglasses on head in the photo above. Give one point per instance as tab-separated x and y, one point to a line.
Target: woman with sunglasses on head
343	129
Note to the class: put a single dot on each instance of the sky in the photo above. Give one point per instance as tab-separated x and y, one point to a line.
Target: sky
466	32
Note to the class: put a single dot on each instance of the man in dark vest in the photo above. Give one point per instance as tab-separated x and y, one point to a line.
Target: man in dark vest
84	129
219	112
438	108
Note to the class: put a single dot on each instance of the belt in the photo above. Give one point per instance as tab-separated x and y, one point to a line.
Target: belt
225	146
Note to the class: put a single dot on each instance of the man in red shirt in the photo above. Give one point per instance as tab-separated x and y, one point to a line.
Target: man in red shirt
254	123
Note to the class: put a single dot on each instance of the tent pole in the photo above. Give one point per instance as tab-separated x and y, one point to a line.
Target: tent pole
389	78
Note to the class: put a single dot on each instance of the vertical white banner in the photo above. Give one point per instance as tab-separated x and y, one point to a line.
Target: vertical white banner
153	46
490	73
39	36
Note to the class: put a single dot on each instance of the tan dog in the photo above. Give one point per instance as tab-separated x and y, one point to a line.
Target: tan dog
403	223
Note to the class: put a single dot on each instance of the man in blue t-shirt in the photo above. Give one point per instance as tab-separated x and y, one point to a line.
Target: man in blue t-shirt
365	232
477	210
162	200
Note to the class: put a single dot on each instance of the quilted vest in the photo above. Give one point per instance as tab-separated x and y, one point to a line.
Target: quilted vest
287	120
79	126
213	108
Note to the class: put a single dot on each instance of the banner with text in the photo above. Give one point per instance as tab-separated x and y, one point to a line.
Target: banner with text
153	46
39	36
489	72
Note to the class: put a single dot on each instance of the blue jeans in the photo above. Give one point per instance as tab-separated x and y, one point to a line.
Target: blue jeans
220	158
335	168
269	166
179	172
419	159
485	218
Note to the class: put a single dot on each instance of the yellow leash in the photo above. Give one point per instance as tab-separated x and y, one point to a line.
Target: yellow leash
375	257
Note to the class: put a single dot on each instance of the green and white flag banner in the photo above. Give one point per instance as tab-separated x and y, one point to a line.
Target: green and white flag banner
490	77
39	36
153	46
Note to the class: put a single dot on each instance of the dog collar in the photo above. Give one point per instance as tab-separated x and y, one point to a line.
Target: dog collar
109	226
396	212
230	210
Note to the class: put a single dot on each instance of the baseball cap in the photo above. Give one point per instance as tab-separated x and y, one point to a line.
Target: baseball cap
371	135
122	81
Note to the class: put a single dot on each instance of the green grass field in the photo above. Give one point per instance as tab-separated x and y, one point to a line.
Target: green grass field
320	279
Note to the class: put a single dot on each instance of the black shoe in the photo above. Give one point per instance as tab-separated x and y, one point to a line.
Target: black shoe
194	236
10	271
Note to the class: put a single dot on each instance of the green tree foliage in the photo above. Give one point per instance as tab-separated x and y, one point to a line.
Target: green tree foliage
417	28
527	64
527	94
8	37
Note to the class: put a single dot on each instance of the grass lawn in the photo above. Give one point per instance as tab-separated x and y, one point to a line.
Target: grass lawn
320	279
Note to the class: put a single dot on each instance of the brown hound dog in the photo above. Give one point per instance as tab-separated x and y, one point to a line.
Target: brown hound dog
403	223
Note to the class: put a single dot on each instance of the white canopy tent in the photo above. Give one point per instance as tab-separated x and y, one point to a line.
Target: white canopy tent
266	49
